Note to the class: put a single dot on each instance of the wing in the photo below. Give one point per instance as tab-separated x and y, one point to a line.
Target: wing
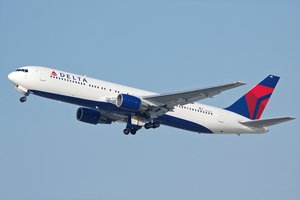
163	103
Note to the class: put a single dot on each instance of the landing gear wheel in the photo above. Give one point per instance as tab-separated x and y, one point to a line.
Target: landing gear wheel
156	124
133	131
152	125
148	125
126	131
23	99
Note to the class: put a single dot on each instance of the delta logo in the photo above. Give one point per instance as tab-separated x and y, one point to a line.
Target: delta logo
53	73
69	76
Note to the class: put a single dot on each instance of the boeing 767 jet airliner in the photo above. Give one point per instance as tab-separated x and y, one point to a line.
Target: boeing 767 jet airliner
103	103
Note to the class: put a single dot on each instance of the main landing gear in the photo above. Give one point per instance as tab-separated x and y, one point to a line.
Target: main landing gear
133	128
130	128
154	124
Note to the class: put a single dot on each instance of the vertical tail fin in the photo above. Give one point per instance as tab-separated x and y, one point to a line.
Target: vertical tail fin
253	103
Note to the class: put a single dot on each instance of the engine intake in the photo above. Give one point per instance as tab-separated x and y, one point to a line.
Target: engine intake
88	115
129	102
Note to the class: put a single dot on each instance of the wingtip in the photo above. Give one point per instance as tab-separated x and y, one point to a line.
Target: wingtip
291	118
239	83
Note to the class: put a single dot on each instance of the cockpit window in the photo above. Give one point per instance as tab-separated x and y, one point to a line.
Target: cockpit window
22	70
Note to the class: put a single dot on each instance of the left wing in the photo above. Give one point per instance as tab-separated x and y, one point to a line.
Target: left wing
163	103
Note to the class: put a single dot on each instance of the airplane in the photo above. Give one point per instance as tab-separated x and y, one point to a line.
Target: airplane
103	102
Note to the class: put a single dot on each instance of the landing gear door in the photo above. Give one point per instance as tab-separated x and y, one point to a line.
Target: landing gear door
42	75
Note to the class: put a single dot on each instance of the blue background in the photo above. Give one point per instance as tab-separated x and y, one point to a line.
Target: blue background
161	46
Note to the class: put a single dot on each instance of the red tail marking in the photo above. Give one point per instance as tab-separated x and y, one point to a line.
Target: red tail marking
253	95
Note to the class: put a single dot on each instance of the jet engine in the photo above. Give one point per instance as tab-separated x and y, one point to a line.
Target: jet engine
131	103
88	115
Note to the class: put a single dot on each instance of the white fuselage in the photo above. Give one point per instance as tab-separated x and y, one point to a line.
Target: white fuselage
82	90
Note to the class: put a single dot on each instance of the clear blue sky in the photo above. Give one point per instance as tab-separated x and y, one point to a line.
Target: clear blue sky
161	46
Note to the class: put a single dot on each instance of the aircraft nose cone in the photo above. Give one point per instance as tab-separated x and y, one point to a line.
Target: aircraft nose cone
11	77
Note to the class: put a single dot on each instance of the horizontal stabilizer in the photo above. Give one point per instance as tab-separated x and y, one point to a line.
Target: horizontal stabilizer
260	123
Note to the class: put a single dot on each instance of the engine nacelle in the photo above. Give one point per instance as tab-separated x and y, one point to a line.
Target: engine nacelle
88	115
129	102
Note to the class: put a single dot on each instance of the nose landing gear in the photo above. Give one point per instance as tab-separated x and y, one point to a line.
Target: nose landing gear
23	91
23	99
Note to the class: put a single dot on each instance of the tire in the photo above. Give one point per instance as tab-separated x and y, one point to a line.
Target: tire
23	99
148	125
126	131
156	124
133	131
